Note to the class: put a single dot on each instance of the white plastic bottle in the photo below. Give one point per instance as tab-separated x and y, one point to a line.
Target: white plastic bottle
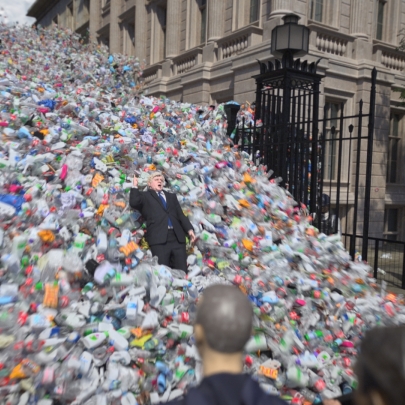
117	340
132	310
94	340
122	279
19	245
102	243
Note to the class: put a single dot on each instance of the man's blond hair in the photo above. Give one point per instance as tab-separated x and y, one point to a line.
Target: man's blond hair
155	174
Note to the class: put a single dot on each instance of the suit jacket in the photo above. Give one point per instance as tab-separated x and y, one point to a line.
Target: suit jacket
156	216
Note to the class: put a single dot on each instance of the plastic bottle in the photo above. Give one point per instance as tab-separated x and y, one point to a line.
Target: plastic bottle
94	340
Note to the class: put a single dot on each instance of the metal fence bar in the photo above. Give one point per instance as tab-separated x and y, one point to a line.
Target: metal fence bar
314	157
310	162
403	268
367	194
376	252
357	181
339	173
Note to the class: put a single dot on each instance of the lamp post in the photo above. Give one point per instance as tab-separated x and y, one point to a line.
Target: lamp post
287	105
290	39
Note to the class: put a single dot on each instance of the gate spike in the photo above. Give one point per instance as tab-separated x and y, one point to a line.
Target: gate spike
297	64
316	64
262	67
270	66
304	66
278	64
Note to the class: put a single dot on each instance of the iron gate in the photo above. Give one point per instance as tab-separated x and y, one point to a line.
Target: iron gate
315	156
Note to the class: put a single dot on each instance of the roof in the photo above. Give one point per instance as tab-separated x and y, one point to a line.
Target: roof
40	8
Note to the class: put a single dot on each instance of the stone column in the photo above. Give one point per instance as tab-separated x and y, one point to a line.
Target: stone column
115	32
279	8
94	19
173	24
141	28
216	17
359	14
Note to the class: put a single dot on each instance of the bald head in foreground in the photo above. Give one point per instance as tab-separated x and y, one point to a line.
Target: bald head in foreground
222	328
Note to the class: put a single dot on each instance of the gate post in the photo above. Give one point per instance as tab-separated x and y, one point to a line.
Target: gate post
370	141
314	154
287	104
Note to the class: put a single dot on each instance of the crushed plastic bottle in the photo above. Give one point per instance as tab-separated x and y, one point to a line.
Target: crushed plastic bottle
87	316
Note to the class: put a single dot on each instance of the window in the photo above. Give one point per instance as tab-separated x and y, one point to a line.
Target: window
104	40
162	18
203	13
69	16
254	10
394	147
391	228
316	11
86	5
128	43
332	133
380	19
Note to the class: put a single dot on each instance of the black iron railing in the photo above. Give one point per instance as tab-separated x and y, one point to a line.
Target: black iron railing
324	162
331	155
387	257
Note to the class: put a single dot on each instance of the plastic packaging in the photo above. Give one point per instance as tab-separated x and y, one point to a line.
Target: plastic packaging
87	315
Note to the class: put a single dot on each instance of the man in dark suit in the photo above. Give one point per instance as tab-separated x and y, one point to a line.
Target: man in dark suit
167	226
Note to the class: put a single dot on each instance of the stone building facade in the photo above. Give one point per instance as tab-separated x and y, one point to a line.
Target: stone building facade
206	51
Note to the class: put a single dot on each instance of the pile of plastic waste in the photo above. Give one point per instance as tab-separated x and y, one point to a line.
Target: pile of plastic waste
86	314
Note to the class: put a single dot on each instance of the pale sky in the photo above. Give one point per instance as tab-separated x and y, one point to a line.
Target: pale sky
16	10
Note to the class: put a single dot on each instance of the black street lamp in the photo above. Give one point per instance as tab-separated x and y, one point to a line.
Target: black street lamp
289	40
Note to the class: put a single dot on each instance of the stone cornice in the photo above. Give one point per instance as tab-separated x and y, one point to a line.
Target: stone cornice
325	29
249	29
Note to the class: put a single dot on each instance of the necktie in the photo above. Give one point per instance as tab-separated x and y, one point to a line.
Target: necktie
165	205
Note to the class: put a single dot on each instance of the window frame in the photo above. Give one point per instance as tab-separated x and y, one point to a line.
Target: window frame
379	27
330	172
256	4
86	5
312	9
162	11
386	232
70	10
128	43
395	137
203	10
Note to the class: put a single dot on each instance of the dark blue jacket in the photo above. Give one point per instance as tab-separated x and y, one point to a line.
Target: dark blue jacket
228	389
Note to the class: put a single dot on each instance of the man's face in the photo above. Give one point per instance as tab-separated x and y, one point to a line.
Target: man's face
156	183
